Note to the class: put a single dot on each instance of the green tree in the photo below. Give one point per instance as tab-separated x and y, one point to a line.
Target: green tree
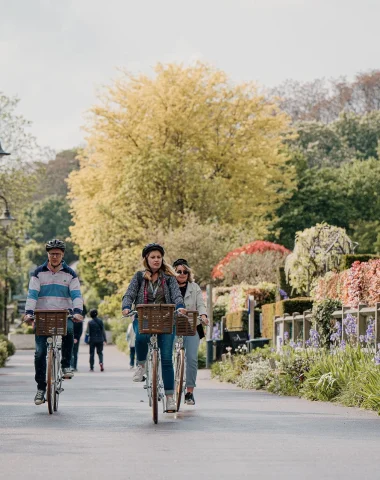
184	141
49	218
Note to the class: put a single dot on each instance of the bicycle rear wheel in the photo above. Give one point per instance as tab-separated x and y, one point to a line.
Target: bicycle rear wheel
154	386
50	381
179	373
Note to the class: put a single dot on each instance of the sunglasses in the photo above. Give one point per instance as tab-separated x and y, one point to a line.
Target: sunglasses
182	272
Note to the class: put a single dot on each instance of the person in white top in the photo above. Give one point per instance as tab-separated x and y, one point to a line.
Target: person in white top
193	298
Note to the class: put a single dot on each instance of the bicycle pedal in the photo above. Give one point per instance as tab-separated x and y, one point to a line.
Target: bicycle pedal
145	387
143	379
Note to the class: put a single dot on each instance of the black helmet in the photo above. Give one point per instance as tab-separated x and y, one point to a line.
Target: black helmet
150	247
181	261
55	243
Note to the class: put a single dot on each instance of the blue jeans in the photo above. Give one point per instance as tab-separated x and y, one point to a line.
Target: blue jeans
74	358
191	345
132	351
165	343
41	352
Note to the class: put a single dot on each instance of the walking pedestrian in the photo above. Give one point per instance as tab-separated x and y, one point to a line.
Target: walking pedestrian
78	331
97	338
131	339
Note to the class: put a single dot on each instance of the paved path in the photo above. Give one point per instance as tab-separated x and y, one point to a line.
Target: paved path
104	430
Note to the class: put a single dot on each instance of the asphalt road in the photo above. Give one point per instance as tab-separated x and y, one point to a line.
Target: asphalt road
104	430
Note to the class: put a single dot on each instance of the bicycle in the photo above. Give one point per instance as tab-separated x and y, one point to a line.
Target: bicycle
154	319
186	326
53	325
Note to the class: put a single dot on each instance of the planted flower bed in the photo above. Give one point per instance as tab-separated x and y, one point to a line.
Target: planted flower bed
348	372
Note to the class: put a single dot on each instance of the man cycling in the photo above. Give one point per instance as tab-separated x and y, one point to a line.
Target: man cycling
53	286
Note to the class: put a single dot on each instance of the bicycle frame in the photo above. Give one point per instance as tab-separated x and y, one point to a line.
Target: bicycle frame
54	376
154	377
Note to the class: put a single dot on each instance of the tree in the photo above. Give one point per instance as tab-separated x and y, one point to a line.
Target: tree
159	148
317	250
53	175
49	218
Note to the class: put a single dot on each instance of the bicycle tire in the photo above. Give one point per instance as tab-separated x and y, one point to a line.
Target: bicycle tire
50	382
57	382
180	368
154	386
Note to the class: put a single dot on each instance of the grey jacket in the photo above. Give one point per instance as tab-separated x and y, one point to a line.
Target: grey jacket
194	298
135	292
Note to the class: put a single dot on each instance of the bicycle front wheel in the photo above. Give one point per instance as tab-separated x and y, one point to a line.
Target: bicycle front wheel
179	373
50	389
155	386
57	381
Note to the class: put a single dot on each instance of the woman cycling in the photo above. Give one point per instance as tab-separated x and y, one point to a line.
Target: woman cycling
193	299
156	284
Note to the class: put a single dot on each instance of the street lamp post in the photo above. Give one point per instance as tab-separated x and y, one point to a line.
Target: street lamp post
5	220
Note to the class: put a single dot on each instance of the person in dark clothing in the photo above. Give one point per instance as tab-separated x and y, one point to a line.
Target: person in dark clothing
78	330
97	338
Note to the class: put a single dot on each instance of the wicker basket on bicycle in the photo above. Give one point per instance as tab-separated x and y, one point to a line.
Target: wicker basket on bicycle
187	326
155	318
51	322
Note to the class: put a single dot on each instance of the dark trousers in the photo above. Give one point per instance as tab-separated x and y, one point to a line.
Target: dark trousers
74	358
132	351
41	352
99	351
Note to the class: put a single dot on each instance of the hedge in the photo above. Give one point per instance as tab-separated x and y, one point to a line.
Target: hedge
279	308
348	260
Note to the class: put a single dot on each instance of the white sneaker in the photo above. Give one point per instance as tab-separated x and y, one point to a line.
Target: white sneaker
139	375
170	404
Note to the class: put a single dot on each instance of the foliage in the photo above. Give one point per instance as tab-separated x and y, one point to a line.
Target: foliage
53	175
347	374
349	260
202	354
322	315
185	123
359	284
261	253
317	250
11	349
201	243
323	100
49	218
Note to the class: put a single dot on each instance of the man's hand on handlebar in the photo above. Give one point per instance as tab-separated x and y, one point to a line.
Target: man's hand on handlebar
28	318
182	311
125	312
77	318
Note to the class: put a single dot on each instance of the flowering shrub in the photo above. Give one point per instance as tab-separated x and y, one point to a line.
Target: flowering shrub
359	284
257	247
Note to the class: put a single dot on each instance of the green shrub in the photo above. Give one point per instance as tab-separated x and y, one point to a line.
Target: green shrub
3	352
11	349
121	342
322	318
348	260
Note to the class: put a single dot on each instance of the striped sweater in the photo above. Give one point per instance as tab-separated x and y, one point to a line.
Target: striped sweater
54	291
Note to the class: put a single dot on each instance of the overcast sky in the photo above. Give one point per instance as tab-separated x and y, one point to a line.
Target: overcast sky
55	54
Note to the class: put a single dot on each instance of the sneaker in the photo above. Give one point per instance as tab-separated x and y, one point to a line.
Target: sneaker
170	404
139	375
189	399
67	373
91	369
131	367
101	367
40	397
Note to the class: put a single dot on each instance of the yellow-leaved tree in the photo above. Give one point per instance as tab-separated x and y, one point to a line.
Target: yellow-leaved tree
185	140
